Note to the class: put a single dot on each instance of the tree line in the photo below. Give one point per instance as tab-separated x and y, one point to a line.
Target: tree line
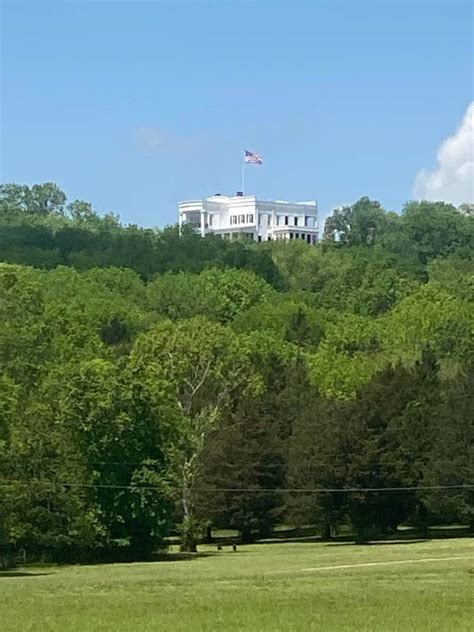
154	382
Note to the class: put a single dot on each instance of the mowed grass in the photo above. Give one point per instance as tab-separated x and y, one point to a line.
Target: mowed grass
275	586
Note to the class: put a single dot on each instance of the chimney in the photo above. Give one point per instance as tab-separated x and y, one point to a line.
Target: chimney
240	194
216	194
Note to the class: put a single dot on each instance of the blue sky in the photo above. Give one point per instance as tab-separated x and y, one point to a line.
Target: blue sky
135	106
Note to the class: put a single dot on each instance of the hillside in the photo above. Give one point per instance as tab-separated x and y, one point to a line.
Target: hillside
153	382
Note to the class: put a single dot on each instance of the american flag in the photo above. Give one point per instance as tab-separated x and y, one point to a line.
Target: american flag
252	158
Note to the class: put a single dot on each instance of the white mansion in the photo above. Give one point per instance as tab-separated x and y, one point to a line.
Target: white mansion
245	216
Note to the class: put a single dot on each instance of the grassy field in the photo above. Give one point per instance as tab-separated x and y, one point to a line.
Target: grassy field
410	586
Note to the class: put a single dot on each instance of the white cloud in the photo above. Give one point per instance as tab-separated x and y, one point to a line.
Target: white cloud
453	178
149	139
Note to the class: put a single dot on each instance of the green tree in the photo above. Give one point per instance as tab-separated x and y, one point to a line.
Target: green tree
216	294
451	458
437	229
45	509
359	224
207	367
246	454
40	199
122	427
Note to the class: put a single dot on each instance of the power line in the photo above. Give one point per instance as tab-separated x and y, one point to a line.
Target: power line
53	461
237	490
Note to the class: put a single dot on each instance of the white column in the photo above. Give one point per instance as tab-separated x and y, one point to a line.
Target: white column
203	223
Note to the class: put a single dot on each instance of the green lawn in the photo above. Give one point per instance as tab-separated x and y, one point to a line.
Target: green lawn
274	586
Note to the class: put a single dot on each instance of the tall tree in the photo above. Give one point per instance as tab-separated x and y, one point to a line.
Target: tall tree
247	454
359	224
122	427
437	229
207	367
40	199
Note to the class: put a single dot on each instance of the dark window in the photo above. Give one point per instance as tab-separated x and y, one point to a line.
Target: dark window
296	221
286	220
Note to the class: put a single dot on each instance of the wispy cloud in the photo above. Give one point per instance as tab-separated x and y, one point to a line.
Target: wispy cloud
149	139
453	178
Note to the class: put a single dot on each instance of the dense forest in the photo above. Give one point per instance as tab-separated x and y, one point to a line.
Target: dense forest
154	383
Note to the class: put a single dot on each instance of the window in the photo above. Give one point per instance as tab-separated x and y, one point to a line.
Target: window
250	218
291	235
233	219
241	219
260	238
295	219
269	220
286	220
210	220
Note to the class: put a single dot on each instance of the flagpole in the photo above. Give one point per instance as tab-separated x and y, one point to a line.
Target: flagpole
242	182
